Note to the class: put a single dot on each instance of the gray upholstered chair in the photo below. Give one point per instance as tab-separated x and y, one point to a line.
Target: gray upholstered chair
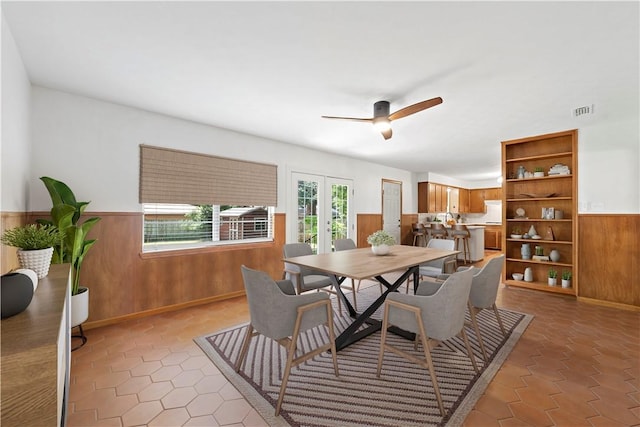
484	291
306	279
345	245
278	313
440	266
433	318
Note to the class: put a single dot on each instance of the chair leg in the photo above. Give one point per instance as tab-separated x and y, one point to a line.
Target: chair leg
495	310
291	350
383	338
469	352
245	346
332	338
427	355
354	292
476	329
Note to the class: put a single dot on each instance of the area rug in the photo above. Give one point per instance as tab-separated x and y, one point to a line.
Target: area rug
402	396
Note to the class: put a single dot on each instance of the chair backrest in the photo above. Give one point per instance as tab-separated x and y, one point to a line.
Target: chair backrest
291	250
460	230
484	289
343	244
443	244
445	315
263	296
438	230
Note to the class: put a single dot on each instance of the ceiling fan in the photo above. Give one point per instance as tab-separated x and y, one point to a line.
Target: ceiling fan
382	119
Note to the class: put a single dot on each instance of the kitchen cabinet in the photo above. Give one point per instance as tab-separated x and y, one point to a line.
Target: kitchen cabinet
432	197
493	237
526	199
463	202
477	197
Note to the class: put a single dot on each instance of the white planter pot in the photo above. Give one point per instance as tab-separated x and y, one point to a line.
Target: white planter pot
38	260
80	307
538	174
380	249
553	282
566	283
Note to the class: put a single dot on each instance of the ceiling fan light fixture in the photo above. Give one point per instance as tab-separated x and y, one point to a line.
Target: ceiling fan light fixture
381	124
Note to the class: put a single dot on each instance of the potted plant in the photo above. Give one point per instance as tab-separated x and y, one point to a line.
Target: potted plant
566	279
516	233
380	242
65	215
553	277
538	172
35	245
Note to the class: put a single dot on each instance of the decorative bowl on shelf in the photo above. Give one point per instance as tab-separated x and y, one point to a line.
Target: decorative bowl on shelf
517	276
516	236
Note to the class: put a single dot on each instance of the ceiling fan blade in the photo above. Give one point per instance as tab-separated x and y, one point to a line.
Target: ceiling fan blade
412	109
387	133
348	118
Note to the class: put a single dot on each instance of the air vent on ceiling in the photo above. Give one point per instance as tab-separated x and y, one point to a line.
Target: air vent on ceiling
581	111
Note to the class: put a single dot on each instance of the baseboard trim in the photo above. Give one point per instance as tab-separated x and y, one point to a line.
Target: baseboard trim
609	304
165	309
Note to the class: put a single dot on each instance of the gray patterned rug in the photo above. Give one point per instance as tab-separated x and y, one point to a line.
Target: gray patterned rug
402	396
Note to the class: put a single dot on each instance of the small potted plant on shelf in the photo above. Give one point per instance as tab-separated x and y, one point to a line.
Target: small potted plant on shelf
35	245
538	172
380	242
566	279
516	233
553	277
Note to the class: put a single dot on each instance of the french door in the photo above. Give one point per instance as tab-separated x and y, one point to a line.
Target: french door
321	210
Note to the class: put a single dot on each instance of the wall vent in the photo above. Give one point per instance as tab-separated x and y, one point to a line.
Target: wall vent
581	111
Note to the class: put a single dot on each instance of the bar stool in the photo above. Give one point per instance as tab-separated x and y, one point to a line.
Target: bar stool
419	234
438	231
460	232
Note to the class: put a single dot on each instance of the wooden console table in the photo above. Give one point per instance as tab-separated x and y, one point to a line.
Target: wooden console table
36	356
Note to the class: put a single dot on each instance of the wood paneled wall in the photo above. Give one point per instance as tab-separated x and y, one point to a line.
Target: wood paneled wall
126	283
369	223
8	257
609	259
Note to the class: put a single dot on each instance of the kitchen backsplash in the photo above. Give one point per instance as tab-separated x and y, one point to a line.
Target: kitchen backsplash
493	215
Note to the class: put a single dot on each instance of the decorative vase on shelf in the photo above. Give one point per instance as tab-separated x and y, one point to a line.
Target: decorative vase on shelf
566	283
554	255
380	249
532	231
525	251
553	281
528	274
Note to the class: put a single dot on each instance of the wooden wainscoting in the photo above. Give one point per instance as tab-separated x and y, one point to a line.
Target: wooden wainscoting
8	257
609	259
369	223
125	283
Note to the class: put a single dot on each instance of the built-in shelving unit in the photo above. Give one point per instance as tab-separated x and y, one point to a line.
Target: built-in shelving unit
531	195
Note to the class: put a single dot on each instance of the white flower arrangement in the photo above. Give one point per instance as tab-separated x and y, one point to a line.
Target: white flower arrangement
381	237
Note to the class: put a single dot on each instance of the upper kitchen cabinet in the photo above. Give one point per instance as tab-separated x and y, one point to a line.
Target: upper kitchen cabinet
434	198
540	192
477	197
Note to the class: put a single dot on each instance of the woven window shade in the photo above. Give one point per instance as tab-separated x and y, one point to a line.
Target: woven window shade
174	176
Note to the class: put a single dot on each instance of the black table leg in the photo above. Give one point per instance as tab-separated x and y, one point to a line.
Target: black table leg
349	335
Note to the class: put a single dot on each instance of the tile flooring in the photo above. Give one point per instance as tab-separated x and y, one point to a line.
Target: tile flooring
577	364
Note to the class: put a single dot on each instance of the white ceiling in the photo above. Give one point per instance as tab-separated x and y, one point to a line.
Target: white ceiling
504	69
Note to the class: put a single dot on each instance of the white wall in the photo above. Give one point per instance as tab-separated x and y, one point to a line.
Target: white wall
609	167
15	145
93	146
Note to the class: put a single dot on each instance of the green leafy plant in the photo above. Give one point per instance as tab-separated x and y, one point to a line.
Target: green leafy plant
381	237
516	231
553	274
65	215
566	275
538	169
32	237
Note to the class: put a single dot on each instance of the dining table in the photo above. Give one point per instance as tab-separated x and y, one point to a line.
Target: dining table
362	264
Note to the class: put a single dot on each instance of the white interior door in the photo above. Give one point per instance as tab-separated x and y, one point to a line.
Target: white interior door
321	210
392	207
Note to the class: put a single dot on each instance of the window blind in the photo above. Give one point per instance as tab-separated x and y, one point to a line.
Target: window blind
175	176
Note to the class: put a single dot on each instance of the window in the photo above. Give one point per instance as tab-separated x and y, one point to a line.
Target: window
193	200
181	226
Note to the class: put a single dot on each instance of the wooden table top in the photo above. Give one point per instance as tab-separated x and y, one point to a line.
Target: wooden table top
362	263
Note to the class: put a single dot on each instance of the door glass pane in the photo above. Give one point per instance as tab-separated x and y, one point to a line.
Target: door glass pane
307	228
339	211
